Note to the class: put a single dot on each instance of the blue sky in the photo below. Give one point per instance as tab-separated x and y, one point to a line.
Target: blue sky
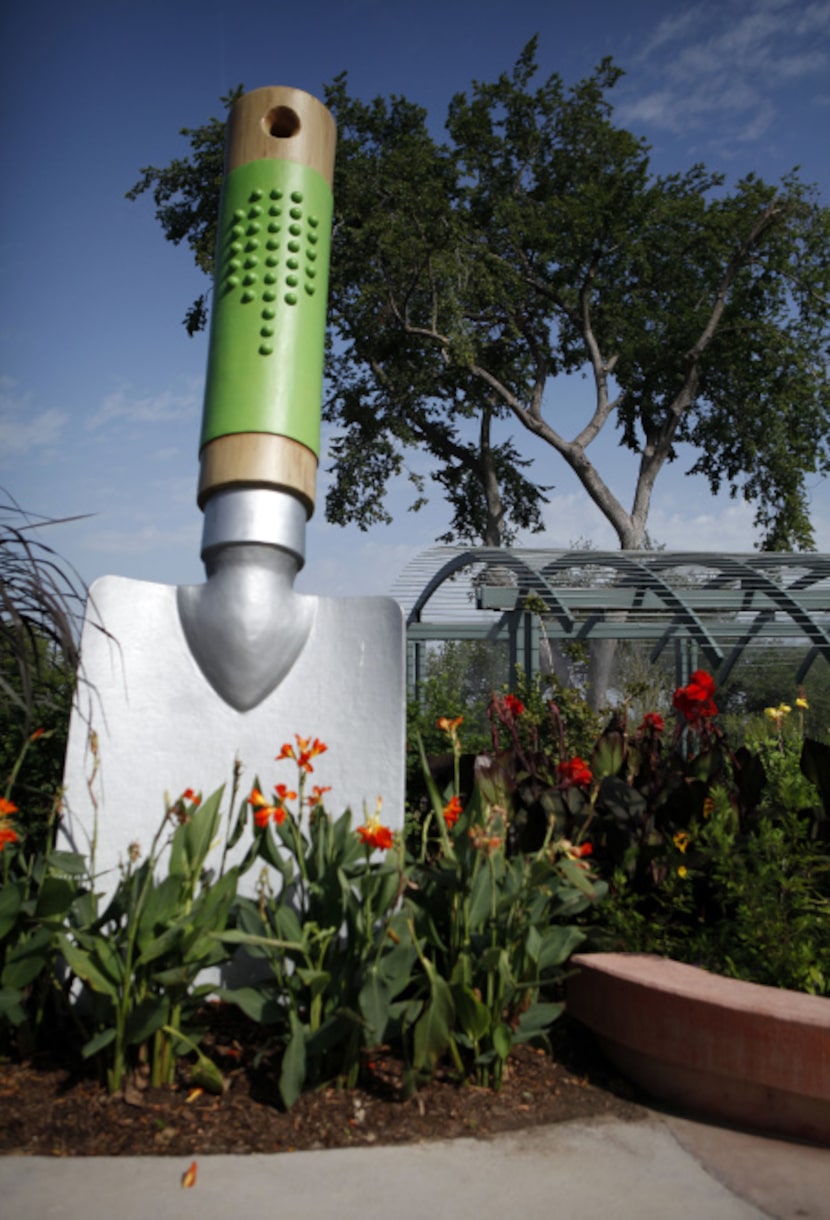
100	387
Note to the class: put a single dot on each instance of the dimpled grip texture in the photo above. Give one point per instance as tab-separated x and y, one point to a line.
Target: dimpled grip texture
267	336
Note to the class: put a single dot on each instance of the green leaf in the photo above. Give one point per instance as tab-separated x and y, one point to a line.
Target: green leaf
54	899
147	1016
11	1005
239	825
537	1020
472	1015
162	944
533	944
315	980
206	1075
255	1002
98	1043
433	1029
162	904
70	862
201	830
287	924
293	1067
11	900
373	1001
28	958
502	1040
480	899
235	937
86	968
815	765
558	943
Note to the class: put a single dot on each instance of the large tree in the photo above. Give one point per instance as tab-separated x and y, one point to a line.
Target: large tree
470	276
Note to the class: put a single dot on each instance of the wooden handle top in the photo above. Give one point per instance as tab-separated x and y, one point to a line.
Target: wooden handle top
285	124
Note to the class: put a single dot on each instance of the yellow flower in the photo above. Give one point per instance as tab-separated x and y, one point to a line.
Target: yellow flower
802	703
682	871
777	714
681	840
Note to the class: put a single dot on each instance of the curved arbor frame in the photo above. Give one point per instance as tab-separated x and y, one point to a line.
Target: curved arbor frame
709	607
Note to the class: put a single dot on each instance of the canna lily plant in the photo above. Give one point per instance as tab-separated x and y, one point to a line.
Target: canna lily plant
494	925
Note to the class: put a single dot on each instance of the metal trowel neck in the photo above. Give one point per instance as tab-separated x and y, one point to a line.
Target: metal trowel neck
245	626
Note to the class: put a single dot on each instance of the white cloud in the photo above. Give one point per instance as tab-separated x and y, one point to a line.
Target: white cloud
144	539
719	66
149	409
21	430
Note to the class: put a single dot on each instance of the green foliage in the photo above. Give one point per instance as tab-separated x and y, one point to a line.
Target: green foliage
752	903
497	929
536	242
457	681
41	600
334	948
140	961
41	889
764	677
716	858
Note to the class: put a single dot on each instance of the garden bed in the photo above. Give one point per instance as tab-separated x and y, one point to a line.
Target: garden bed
51	1108
717	1047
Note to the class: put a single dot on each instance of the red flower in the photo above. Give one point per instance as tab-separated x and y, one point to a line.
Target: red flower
514	705
453	811
373	834
574	773
652	722
7	807
7	835
585	850
694	701
190	795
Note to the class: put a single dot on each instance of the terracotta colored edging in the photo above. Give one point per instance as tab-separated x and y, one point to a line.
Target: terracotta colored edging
725	1049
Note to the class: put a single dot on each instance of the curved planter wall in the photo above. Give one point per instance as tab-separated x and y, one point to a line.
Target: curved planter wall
739	1052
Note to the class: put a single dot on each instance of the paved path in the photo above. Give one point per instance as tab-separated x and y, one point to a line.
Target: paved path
660	1168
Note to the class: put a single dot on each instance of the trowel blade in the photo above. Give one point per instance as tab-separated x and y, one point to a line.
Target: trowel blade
162	728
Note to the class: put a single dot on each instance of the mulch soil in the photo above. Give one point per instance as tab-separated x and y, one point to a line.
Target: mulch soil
50	1108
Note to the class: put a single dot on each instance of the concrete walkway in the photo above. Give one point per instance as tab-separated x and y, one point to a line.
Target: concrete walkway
660	1168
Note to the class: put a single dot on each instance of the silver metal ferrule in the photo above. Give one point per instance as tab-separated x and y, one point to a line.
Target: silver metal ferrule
255	515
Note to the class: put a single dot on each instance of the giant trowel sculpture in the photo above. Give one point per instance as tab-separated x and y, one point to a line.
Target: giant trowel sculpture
185	680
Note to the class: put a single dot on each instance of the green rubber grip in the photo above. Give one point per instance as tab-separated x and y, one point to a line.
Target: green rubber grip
267	333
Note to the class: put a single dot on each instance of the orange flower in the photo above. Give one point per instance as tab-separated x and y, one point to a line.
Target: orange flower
284	794
453	811
263	812
7	835
306	750
317	794
7	807
189	795
450	726
373	834
189	1176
